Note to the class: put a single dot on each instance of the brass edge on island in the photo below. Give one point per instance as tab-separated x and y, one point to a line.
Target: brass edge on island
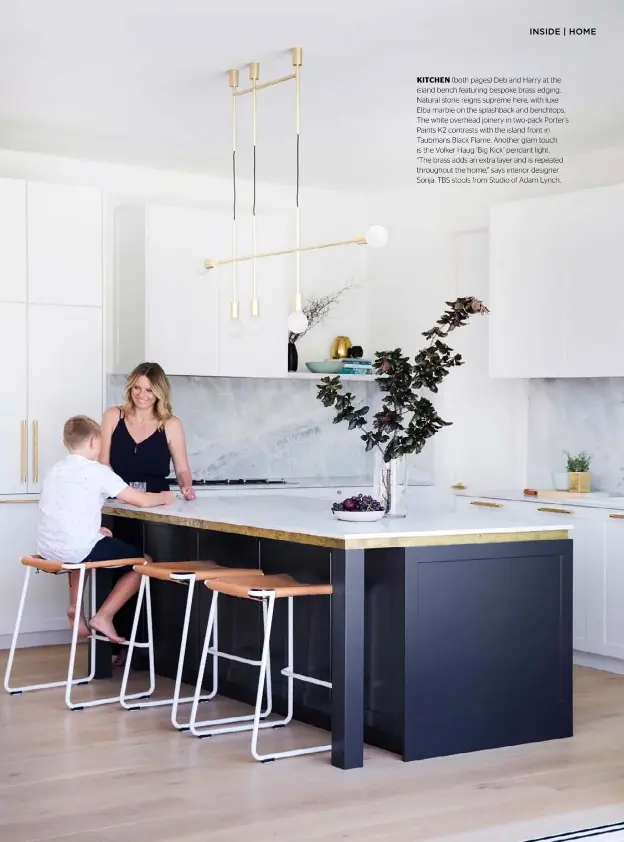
453	540
347	543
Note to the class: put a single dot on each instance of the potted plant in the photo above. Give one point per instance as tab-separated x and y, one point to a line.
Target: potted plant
407	419
578	472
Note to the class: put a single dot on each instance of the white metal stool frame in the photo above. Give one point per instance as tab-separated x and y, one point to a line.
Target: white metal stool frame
70	681
190	579
267	597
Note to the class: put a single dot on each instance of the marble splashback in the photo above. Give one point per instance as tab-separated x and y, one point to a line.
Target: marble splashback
248	427
575	415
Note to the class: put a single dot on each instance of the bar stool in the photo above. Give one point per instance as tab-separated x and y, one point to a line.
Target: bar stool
91	567
265	589
183	573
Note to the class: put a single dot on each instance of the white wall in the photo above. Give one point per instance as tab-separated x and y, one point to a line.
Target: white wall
325	215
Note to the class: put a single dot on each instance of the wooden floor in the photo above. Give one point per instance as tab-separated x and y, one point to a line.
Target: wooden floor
108	775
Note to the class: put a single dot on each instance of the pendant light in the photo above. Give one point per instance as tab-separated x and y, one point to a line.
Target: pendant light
376	236
254	75
234	306
297	320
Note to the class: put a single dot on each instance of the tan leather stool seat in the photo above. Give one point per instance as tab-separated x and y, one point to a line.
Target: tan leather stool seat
57	566
82	571
202	570
283	586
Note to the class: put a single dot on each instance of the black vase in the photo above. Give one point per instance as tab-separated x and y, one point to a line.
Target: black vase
293	357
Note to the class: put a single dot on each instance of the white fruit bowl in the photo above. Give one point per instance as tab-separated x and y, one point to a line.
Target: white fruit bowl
359	517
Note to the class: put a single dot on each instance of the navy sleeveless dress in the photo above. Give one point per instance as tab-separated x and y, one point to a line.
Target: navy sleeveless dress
148	461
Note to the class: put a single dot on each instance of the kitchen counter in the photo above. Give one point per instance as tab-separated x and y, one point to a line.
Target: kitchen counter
592	500
445	633
304	520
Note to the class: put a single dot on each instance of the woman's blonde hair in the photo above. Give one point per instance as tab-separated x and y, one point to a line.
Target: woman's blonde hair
160	387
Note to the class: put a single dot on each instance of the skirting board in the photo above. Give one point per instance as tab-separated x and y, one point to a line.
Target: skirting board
599	662
41	638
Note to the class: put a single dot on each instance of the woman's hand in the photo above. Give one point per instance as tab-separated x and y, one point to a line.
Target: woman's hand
188	492
105	531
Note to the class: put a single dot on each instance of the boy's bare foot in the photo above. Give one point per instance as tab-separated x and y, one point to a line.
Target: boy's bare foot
104	626
83	628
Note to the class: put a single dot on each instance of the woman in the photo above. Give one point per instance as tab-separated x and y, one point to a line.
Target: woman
141	438
139	441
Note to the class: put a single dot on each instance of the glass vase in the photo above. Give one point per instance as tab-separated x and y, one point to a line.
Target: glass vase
390	485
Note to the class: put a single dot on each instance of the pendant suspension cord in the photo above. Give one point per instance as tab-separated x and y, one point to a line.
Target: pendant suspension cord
234	304
254	76
297	62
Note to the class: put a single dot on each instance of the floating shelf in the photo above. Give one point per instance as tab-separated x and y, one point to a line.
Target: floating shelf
308	375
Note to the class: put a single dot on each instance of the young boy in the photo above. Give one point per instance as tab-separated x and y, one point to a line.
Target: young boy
71	515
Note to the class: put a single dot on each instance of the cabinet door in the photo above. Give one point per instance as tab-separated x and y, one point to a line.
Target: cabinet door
528	304
587	538
610	604
46	603
182	329
13	406
64	378
593	247
257	346
64	245
12	239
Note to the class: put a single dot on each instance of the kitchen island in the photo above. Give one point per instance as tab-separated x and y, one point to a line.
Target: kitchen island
446	632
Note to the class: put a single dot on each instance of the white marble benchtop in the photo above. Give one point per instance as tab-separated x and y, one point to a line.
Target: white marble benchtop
591	500
310	521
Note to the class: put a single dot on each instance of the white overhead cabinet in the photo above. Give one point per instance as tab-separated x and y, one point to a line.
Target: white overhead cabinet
170	310
13	272
64	245
50	324
555	293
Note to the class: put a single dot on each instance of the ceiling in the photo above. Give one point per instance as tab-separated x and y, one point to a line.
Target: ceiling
144	81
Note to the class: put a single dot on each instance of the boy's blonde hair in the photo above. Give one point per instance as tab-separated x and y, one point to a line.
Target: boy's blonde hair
78	429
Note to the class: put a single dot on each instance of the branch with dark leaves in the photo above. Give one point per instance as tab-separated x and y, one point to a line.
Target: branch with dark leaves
406	420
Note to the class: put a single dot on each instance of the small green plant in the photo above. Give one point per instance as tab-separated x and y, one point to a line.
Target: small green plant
578	464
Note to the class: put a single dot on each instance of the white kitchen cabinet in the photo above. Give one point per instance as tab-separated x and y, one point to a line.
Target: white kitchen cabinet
64	379
587	535
65	240
256	346
598	537
12	240
553	280
51	365
46	605
611	595
13	405
169	309
166	304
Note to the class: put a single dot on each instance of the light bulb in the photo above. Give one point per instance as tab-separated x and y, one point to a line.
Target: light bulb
377	236
297	321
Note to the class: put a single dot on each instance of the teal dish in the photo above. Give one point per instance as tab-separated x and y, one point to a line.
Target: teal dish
327	367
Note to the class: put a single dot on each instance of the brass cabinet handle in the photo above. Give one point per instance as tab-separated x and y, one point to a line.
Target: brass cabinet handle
24	452
554	511
35	435
617	517
484	503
